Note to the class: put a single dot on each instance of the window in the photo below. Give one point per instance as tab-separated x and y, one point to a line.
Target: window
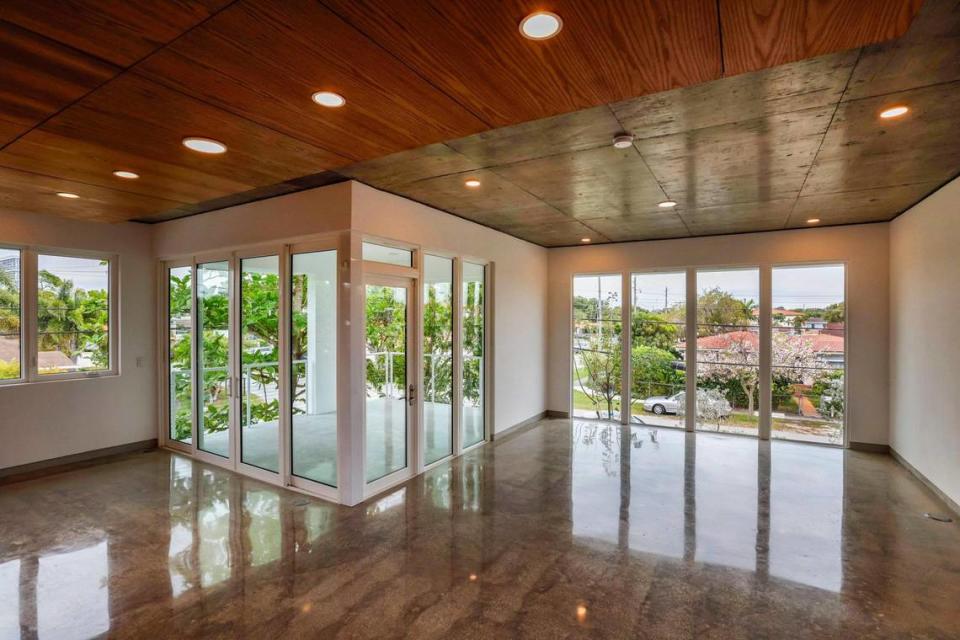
596	346
474	334
437	357
10	316
179	353
387	255
808	353
213	336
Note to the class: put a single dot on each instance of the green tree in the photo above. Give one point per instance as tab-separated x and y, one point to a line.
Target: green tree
655	372
653	330
718	311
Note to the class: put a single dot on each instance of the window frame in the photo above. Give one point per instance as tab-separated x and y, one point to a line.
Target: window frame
29	322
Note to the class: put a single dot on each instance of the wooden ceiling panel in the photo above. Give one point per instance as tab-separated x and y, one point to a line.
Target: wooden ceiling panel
34	193
115	31
608	50
751	161
764	33
738	218
589	184
136	116
38	77
852	207
791	87
404	167
863	151
301	47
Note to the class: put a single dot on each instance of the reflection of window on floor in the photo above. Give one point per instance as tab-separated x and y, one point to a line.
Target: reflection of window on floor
213	523
596	346
72	594
726	503
10	595
262	511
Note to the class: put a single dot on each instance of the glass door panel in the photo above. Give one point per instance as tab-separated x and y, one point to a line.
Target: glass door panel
259	362
437	357
474	334
180	352
213	337
386	386
596	346
313	358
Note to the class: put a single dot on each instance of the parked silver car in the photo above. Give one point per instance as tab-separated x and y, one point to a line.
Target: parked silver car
663	404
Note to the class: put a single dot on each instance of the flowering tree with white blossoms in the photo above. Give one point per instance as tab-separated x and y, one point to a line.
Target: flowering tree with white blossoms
712	406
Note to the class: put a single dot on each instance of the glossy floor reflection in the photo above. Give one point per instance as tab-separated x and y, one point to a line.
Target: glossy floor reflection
567	529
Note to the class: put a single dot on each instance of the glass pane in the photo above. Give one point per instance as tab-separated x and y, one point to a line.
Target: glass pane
473	363
9	314
657	334
213	330
313	344
260	362
728	351
73	314
809	353
386	417
387	255
596	346
437	357
180	345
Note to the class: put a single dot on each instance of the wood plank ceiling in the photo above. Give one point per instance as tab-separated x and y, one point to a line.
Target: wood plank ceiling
438	91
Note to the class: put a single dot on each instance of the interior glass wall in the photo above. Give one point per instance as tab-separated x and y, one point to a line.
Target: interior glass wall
73	314
386	404
597	327
474	334
213	348
728	351
179	353
313	360
437	357
260	362
10	314
808	353
657	339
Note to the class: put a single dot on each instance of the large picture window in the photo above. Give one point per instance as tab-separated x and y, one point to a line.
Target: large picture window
597	326
10	316
474	335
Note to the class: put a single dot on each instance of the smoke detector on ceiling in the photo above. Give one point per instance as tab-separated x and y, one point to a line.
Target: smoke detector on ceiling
622	140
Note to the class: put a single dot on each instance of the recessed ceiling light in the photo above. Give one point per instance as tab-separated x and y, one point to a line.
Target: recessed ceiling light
584	239
667	204
541	25
126	175
623	141
894	112
67	194
204	145
329	99
813	220
473	183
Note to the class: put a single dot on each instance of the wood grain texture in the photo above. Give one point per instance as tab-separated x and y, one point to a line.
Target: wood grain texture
764	33
608	50
300	48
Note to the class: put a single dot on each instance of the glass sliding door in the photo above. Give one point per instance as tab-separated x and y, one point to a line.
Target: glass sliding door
386	420
213	348
260	362
808	353
657	337
180	353
728	351
474	334
437	357
313	362
10	314
597	329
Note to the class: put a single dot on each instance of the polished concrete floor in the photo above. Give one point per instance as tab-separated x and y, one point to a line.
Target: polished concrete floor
564	530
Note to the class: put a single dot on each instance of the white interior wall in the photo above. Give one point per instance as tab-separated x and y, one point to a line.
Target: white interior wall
924	347
45	420
520	293
864	249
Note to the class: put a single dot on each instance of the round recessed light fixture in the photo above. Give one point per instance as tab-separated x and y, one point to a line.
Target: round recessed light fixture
329	99
471	183
584	239
541	25
813	220
667	204
894	112
126	175
68	195
204	145
623	140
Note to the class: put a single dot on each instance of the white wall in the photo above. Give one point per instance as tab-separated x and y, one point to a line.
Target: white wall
864	248
924	343
52	419
520	293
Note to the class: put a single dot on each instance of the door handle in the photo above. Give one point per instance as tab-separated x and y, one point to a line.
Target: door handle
411	395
